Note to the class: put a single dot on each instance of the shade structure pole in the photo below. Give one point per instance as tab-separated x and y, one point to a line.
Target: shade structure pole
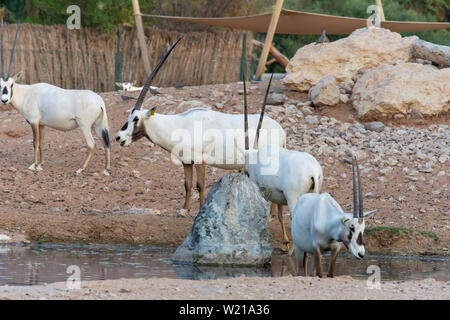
141	37
380	7
269	37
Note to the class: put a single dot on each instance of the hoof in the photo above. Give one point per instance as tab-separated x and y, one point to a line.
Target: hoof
78	171
285	247
32	167
105	172
39	167
182	213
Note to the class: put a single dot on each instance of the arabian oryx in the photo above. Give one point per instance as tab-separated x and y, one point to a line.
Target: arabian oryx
319	224
42	104
282	175
197	137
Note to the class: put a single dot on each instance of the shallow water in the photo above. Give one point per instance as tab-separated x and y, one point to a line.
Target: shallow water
39	264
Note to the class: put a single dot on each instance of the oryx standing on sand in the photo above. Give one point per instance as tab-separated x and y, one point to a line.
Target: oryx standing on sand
43	104
319	224
204	135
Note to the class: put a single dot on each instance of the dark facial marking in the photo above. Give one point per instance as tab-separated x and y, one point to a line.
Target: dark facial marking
350	234
125	126
5	90
139	132
359	241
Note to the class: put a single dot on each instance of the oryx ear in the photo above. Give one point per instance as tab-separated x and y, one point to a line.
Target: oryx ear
18	76
346	221
151	112
368	214
119	84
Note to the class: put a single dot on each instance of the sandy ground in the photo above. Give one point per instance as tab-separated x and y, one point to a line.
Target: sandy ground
139	201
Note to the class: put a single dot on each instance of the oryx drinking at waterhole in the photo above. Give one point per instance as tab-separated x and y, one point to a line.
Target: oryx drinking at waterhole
198	137
43	104
319	224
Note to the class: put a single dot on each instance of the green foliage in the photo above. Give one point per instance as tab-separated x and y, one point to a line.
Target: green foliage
104	14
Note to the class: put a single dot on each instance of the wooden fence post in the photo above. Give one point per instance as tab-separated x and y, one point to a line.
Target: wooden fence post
141	37
269	37
380	7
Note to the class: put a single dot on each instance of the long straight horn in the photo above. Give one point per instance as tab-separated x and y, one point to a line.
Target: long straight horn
11	59
3	60
247	143
261	117
150	78
360	197
355	200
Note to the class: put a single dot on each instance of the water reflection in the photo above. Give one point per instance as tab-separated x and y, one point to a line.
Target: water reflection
39	264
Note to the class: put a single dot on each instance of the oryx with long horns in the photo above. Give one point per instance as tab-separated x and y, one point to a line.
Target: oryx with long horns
283	175
319	224
198	137
43	104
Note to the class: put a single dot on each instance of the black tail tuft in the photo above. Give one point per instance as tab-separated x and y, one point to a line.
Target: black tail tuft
105	136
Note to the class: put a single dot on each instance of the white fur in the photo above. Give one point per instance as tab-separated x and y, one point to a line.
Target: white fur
58	108
283	174
201	131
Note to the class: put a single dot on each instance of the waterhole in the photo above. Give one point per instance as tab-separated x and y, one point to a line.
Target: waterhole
40	264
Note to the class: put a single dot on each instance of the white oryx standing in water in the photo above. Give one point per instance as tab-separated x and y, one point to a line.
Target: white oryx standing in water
282	175
43	104
197	137
319	224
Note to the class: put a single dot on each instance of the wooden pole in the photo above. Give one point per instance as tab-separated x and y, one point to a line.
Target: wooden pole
380	7
141	37
269	37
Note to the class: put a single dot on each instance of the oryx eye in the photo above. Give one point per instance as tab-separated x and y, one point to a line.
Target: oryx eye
352	229
135	119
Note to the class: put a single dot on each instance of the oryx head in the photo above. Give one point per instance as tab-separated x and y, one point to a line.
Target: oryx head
352	234
7	81
134	128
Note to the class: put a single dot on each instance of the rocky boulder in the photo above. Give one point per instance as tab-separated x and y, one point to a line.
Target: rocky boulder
325	93
406	88
364	48
231	228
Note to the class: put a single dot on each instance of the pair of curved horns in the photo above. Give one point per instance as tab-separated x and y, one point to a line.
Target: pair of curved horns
11	59
261	117
357	212
150	78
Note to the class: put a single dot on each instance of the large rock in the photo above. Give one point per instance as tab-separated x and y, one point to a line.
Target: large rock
231	228
402	89
364	48
439	54
325	93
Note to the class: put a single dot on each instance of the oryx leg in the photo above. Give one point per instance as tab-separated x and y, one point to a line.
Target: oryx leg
285	246
188	175
86	131
201	171
41	147
306	263
318	262
273	210
299	256
35	128
334	254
